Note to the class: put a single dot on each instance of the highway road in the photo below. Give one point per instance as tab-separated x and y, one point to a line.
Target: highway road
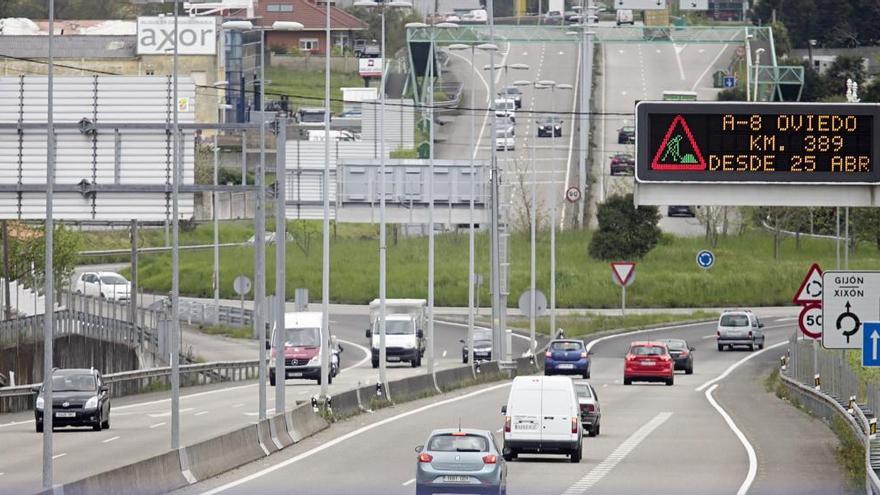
140	425
655	439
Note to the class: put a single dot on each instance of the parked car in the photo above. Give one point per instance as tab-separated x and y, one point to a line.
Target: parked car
588	401
458	461
567	356
623	164
512	93
740	327
106	285
680	211
351	114
542	415
626	135
549	127
682	354
648	362
482	346
79	398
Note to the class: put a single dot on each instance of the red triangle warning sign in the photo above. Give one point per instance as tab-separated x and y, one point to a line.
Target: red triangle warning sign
678	150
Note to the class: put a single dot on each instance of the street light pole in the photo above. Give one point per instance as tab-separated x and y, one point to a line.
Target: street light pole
49	310
325	240
758	53
175	251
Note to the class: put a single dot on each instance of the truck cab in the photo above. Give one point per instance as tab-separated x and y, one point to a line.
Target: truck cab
404	331
302	348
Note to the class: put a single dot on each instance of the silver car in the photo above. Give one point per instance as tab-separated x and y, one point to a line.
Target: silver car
460	461
588	402
740	328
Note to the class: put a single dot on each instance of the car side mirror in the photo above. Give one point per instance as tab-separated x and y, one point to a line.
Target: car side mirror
692	349
504	410
104	388
368	333
461	341
36	389
419	449
420	334
760	325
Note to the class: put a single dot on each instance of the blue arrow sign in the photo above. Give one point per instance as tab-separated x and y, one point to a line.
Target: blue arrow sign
871	344
705	259
729	81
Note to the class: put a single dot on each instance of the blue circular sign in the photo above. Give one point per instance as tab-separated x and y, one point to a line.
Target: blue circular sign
705	259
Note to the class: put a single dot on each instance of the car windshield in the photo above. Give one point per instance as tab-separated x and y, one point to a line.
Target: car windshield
647	350
734	321
113	280
449	442
676	345
511	91
583	391
311	116
303	337
482	337
566	346
398	327
82	382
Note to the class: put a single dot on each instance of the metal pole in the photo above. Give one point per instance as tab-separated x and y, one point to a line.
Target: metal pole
382	233
504	258
325	248
586	88
623	301
497	330
175	254
281	259
132	293
471	274
846	239
553	225
7	297
260	251
837	236
216	218
533	228
429	345
49	313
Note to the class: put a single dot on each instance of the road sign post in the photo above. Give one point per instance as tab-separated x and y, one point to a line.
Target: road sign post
849	298
623	274
241	285
573	194
810	320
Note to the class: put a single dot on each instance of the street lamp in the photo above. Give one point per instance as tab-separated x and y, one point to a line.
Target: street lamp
587	14
810	44
215	279
260	228
486	47
382	7
758	53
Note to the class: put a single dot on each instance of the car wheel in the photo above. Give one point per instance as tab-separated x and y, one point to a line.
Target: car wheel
592	431
627	381
761	345
720	347
752	347
598	427
689	370
670	382
576	455
98	425
422	491
375	363
586	375
39	427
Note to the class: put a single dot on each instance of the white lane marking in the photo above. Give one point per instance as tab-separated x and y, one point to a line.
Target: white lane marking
709	67
793	318
623	450
753	459
704	337
737	364
348	436
112	439
623	93
14	423
362	349
408	482
678	50
157	425
1	474
636	332
238	405
200	413
168	413
499	430
56	456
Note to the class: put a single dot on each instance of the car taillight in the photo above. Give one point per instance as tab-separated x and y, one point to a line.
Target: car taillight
490	459
423	457
750	334
574	424
718	333
584	355
587	408
507	424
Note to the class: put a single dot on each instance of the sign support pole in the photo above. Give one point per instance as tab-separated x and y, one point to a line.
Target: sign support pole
623	301
49	314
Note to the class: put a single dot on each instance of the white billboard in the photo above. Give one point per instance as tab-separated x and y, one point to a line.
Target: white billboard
195	35
640	4
370	67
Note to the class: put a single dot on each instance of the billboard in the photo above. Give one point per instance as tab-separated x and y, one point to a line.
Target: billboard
195	35
370	67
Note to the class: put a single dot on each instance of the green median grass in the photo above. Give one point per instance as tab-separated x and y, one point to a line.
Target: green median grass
310	84
745	273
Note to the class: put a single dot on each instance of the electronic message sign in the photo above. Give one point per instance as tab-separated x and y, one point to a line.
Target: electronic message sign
756	142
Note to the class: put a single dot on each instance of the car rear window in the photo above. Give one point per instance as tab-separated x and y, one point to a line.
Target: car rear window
734	321
449	442
566	346
675	344
583	391
647	350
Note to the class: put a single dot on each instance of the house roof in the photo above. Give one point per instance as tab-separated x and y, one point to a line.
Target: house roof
311	15
69	47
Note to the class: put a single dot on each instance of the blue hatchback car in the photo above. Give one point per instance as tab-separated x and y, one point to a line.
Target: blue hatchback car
567	357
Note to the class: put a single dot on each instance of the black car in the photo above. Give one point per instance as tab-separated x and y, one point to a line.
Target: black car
512	93
626	135
680	211
682	354
482	346
550	127
79	398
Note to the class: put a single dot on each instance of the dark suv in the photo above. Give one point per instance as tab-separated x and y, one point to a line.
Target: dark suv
79	398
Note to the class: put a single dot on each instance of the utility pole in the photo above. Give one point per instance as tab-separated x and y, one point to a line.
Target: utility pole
7	298
49	310
175	251
281	260
498	330
132	293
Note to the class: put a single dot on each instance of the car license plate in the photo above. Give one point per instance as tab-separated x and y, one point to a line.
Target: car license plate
565	366
294	375
647	363
456	479
393	358
526	426
65	415
481	354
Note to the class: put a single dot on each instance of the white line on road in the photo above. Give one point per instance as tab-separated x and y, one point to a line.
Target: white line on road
408	482
238	405
636	332
704	337
157	425
110	439
709	67
362	349
56	456
792	318
678	50
168	413
14	423
200	413
753	459
737	364
623	450
348	436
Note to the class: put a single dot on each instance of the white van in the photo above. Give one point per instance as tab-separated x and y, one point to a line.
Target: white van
302	348
405	320
505	108
542	416
625	16
505	139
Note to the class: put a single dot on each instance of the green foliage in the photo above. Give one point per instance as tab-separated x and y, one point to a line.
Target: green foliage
833	23
306	88
278	49
79	9
850	453
24	253
405	153
733	94
625	232
234	332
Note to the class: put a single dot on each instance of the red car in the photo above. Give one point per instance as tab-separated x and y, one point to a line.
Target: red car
623	164
648	362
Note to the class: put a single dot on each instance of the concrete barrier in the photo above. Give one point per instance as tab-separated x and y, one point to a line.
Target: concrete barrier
159	474
525	367
264	430
489	371
412	387
346	404
450	378
303	422
280	428
223	453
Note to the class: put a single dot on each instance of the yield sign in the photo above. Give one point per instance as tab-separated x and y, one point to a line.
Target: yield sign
811	288
678	150
623	272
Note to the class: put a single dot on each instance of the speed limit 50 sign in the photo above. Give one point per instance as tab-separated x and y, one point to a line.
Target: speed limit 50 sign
810	321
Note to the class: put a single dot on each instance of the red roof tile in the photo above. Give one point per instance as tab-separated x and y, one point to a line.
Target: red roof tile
311	15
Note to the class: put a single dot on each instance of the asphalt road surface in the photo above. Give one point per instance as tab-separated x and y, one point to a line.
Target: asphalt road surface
655	439
141	425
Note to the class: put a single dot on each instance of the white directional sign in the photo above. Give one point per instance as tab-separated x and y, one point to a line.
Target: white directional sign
848	300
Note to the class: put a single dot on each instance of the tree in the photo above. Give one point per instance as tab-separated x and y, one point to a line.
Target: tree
395	26
846	67
865	223
28	249
625	232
